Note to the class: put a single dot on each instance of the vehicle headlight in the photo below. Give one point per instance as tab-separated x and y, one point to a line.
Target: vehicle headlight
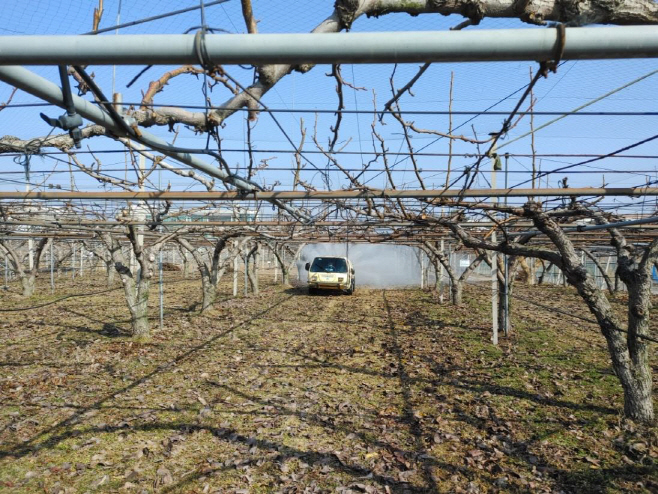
314	277
341	279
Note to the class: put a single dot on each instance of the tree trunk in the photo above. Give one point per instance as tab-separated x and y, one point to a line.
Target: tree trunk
528	271
628	348
209	293
186	265
456	291
455	282
139	319
137	298
279	257
638	391
544	272
255	269
636	381
28	281
110	271
252	275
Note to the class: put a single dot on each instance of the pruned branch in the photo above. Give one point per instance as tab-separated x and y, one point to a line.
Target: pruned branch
248	15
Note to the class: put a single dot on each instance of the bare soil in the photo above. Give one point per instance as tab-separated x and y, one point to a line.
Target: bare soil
382	391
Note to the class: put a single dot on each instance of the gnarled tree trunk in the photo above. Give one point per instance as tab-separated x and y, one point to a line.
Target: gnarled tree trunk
279	254
456	285
628	348
27	276
211	268
252	269
136	283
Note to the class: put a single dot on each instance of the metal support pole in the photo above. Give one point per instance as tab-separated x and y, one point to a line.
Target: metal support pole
52	268
235	276
30	248
494	292
82	258
6	273
246	273
257	258
494	270
422	270
506	321
441	268
161	291
73	261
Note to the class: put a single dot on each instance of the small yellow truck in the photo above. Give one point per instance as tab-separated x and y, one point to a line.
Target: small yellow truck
330	273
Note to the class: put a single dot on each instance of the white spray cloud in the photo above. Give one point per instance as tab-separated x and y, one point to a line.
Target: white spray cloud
375	265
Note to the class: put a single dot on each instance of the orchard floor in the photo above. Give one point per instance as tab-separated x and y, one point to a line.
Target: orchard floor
383	391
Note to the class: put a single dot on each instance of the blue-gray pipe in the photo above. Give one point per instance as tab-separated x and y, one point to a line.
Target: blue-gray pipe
582	43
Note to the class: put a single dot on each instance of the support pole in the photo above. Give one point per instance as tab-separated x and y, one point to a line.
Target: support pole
161	291
422	270
30	248
246	273
257	257
441	268
494	292
82	258
6	273
52	268
494	267
506	321
235	274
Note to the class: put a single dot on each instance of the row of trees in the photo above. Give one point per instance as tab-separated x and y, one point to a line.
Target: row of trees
628	339
135	261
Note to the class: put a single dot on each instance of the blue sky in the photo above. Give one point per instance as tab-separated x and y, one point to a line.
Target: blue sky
477	86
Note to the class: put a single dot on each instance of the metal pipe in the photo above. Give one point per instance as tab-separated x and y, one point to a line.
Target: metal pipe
506	322
82	259
246	273
161	290
332	194
581	43
583	228
494	270
494	293
235	273
83	225
52	268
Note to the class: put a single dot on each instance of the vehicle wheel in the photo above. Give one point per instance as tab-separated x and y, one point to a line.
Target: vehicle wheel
350	290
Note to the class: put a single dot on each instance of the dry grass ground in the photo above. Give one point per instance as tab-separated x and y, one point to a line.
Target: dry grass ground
384	391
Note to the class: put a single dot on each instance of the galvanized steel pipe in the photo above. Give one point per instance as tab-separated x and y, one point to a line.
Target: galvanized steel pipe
581	43
289	195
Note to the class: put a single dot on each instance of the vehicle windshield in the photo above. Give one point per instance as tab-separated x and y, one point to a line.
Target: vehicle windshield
329	265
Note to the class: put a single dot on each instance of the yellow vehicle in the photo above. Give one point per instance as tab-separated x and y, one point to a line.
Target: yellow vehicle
330	273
